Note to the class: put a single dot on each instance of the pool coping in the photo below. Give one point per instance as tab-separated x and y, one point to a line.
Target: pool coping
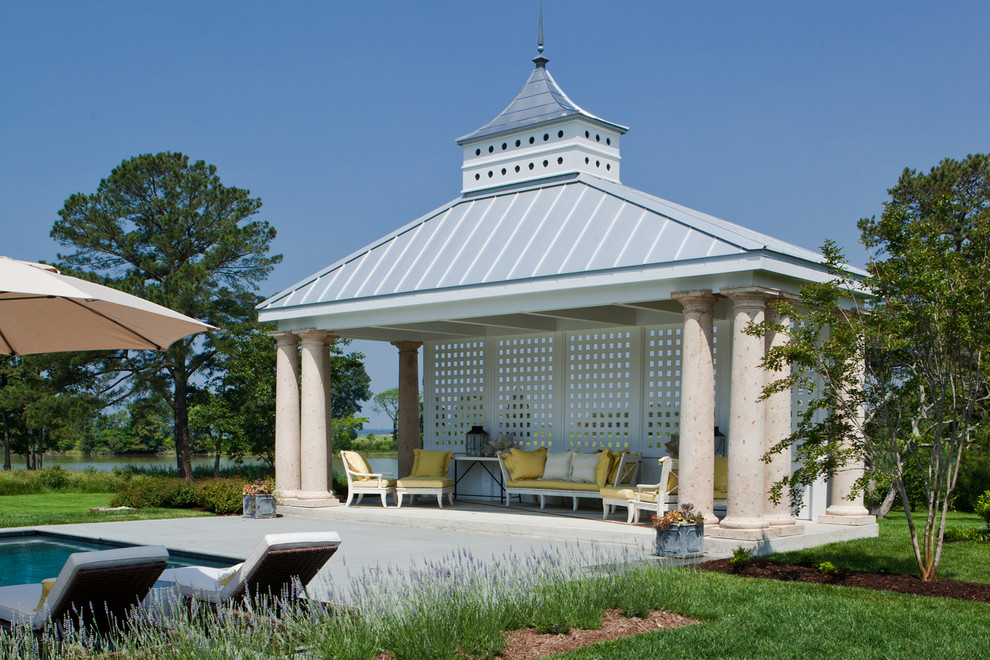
111	544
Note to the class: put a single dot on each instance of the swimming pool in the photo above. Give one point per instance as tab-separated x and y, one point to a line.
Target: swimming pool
27	557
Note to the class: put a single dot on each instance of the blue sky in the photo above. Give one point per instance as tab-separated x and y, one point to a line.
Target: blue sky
789	118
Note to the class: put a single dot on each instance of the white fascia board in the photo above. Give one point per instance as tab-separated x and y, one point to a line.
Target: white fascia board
573	291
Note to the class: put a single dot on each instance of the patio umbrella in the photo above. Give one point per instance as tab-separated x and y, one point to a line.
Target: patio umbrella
43	311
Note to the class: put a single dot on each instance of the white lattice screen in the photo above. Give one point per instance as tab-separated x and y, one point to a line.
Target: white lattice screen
458	391
600	391
661	387
524	389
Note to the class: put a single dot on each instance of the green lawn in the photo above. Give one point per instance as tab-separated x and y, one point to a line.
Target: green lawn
892	552
748	618
64	508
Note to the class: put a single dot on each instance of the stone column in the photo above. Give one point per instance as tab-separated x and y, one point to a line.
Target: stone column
747	440
844	511
696	459
314	480
408	421
778	426
287	450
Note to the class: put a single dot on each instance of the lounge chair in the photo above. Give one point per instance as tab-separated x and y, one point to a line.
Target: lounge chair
362	481
93	589
269	570
429	477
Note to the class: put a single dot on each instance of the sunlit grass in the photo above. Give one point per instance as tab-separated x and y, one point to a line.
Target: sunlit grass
66	508
891	551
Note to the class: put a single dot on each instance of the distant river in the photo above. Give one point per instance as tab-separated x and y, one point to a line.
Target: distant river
107	463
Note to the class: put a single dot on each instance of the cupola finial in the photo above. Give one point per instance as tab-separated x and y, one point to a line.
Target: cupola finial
539	59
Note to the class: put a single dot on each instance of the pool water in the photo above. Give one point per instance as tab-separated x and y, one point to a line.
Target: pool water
25	559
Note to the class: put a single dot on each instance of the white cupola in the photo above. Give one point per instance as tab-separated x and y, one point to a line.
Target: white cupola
541	134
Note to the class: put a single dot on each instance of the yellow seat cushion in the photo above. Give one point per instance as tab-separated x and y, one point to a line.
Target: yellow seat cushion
527	464
356	463
431	463
425	482
553	485
648	496
617	493
374	482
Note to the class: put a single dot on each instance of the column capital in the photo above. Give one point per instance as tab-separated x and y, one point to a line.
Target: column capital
404	346
696	300
284	337
312	335
749	296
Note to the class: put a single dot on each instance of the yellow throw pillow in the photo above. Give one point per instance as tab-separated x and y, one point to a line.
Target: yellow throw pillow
507	460
46	588
528	464
613	471
356	463
672	480
603	468
431	463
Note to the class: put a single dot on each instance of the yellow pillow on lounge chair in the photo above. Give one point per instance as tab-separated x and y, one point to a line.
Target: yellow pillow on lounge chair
672	480
356	463
431	463
46	588
528	464
228	574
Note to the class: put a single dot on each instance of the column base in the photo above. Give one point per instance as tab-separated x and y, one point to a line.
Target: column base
311	500
744	534
829	519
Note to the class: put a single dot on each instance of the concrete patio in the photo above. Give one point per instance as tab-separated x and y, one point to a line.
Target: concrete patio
374	538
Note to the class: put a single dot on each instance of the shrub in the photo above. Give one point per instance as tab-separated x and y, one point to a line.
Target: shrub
156	493
223	496
826	568
740	558
982	507
953	534
54	477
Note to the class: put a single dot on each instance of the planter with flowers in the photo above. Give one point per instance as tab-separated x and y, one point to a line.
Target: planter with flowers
259	499
680	533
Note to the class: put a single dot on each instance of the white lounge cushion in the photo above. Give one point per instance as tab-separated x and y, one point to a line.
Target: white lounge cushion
218	584
15	606
558	467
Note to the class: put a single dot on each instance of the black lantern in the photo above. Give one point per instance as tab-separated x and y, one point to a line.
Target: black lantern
476	440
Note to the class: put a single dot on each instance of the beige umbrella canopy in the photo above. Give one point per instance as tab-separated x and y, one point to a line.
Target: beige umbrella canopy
42	311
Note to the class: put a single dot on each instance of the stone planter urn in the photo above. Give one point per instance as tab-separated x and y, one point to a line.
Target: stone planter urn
250	506
264	506
681	541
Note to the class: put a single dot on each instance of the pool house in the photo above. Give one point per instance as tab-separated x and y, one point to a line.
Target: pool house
552	302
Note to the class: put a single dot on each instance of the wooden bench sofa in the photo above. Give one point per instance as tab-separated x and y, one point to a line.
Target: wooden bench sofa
566	474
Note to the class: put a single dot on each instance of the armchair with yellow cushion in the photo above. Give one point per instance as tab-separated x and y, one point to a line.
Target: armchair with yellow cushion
647	497
429	477
362	481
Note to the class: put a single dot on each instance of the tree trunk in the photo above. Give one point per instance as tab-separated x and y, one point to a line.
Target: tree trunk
180	409
216	462
883	508
6	444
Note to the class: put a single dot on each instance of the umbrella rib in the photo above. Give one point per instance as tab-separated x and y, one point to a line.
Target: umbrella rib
10	349
116	323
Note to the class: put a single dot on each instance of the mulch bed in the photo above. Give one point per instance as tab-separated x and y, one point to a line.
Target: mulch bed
904	584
